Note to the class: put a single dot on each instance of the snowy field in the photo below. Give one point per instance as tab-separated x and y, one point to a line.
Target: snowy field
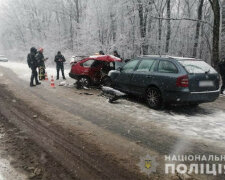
205	122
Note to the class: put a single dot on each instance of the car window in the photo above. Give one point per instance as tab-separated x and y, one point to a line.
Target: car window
167	67
197	67
88	63
97	64
145	65
129	67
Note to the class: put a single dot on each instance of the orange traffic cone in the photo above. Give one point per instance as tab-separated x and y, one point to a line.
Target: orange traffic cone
52	82
46	76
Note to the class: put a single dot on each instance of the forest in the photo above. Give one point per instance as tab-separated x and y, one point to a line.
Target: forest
187	28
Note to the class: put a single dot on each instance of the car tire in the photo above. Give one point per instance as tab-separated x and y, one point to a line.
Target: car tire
84	82
154	98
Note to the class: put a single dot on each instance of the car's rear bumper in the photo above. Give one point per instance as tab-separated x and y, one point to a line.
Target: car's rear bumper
191	97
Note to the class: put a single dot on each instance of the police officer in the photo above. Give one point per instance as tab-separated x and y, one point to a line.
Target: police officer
222	73
59	59
33	64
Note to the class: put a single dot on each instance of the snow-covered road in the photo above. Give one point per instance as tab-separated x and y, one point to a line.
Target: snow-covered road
205	122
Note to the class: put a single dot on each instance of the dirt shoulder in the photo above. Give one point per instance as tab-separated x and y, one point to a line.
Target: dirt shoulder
26	157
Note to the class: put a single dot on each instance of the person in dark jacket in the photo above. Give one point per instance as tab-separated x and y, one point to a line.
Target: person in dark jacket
33	64
101	53
222	73
41	64
115	53
59	59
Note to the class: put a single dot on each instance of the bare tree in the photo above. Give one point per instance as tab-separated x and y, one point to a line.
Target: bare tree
216	32
168	26
198	28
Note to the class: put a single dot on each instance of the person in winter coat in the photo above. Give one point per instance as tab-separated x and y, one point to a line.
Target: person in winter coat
222	73
115	53
59	59
101	53
33	64
41	64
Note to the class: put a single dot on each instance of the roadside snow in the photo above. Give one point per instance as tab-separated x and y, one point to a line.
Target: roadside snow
201	123
24	72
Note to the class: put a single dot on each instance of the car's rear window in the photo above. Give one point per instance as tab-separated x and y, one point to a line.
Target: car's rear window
197	67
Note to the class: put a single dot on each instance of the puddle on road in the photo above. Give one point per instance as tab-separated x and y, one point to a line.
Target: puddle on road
7	172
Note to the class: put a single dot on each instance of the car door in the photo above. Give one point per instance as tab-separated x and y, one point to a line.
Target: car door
142	76
166	75
123	79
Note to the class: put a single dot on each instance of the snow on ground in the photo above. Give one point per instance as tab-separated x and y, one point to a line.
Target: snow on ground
203	123
200	123
24	72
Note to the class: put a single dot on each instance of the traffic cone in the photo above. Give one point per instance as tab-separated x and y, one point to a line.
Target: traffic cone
52	82
46	76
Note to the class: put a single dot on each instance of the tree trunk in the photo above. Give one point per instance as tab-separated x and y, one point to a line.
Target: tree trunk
77	12
143	25
216	32
168	26
198	28
223	31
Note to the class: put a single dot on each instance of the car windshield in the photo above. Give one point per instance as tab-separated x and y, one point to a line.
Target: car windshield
119	64
197	67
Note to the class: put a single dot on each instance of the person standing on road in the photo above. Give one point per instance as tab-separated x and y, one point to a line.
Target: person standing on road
33	64
60	60
41	64
222	73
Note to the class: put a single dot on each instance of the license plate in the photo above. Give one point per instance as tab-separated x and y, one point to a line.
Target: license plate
206	84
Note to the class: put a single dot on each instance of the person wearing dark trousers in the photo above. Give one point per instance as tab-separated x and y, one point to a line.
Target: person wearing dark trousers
60	60
33	64
222	73
41	64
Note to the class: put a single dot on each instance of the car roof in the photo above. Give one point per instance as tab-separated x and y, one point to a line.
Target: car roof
105	58
167	57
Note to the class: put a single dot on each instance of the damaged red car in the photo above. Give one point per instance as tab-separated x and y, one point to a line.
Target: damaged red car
94	70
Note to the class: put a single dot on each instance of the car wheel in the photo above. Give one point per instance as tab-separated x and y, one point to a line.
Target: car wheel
154	98
84	82
107	81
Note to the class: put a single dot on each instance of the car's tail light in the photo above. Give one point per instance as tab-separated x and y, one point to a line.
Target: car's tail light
182	81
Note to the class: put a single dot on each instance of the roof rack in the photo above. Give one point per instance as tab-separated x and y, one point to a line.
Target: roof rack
171	57
155	56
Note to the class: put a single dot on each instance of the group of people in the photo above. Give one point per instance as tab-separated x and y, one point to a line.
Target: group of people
36	60
115	53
